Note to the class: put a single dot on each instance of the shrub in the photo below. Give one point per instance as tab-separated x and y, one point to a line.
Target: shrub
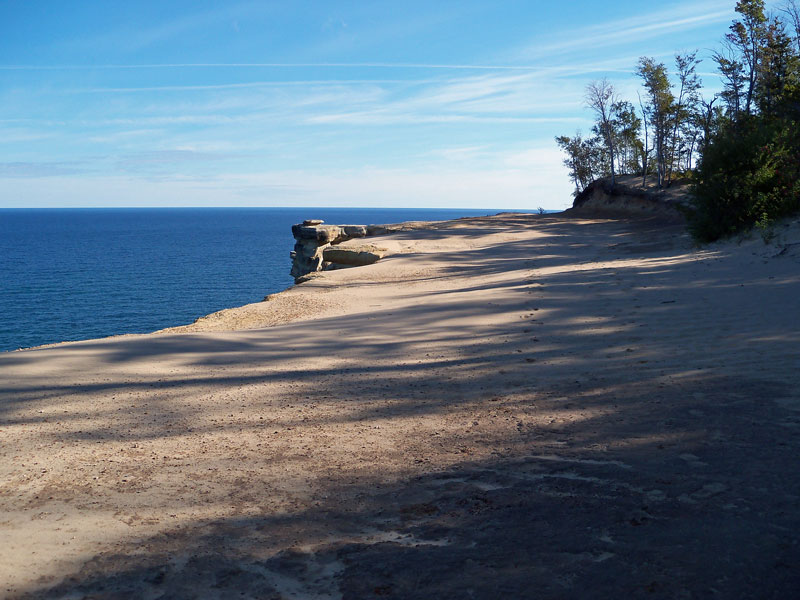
749	176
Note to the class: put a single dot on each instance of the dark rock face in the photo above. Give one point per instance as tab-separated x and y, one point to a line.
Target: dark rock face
314	238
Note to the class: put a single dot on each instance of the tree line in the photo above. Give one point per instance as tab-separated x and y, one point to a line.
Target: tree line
741	147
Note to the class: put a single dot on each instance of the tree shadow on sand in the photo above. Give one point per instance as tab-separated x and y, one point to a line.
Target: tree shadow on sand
626	462
629	523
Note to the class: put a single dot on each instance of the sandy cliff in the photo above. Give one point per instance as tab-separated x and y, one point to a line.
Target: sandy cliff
628	197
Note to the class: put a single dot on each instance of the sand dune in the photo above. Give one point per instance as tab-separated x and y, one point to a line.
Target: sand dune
518	406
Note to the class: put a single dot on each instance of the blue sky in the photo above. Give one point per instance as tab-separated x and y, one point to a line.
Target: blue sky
430	104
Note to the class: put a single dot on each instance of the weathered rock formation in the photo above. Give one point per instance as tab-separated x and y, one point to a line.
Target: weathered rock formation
628	197
353	256
316	248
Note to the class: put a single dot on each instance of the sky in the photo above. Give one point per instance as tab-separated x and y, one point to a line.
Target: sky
364	104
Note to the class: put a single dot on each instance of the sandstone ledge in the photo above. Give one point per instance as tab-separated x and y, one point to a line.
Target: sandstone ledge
318	247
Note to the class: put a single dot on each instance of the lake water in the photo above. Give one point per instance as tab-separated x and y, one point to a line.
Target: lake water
74	274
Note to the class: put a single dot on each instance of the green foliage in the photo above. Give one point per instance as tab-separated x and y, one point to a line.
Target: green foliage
746	41
625	127
778	71
660	110
585	159
749	176
750	172
748	135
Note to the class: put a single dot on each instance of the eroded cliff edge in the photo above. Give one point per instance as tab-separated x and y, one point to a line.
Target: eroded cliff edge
628	197
317	247
320	247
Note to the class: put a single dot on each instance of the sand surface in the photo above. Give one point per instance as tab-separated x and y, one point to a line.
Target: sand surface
519	406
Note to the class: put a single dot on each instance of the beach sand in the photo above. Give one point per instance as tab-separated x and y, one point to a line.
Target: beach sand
519	406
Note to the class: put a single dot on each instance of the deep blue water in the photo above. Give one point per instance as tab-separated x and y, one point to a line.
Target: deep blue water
74	274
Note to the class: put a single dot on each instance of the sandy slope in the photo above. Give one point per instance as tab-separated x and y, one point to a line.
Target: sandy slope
516	406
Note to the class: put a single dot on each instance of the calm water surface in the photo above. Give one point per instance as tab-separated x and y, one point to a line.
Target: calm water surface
74	274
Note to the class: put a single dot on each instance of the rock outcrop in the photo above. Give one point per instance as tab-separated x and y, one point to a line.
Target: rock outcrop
316	247
353	256
628	197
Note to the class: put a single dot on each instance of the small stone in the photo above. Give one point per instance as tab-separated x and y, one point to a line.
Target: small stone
309	222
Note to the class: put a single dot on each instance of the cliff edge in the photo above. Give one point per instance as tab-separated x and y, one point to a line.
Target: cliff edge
628	197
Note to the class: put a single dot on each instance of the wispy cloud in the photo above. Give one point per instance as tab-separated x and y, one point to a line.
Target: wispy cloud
491	98
39	169
251	84
570	68
539	97
316	65
447	124
453	187
682	17
154	162
379	117
133	38
21	135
